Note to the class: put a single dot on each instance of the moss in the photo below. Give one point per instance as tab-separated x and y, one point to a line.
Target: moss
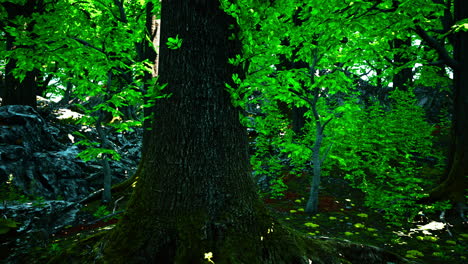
281	245
72	251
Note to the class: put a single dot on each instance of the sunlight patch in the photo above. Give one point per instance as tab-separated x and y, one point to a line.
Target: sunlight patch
432	226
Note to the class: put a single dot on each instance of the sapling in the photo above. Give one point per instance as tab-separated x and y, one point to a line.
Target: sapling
320	124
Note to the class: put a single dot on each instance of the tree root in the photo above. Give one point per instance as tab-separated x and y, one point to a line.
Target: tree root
119	187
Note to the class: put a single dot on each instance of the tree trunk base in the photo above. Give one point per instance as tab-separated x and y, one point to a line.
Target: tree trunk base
454	185
286	246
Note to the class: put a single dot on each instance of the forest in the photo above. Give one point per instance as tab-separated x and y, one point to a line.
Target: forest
233	131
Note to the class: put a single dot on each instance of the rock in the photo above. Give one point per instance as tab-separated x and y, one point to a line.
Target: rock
38	221
23	126
39	165
50	215
12	153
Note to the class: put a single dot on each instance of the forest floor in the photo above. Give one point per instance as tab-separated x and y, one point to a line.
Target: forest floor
342	215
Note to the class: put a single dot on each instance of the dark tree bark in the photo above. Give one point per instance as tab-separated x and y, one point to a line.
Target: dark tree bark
16	91
454	183
402	79
195	194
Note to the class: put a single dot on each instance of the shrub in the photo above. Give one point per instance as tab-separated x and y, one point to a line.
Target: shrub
375	148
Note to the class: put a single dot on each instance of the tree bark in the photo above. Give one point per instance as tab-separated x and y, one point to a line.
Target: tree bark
17	91
313	201
404	77
454	183
195	194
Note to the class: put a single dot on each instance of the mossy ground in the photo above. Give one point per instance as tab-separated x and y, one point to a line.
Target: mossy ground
342	215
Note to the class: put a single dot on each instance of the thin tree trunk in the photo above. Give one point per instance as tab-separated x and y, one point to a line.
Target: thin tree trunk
402	79
312	202
147	49
106	170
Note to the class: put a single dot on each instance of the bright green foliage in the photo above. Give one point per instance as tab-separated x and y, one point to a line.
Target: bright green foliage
376	148
461	25
117	71
174	43
93	47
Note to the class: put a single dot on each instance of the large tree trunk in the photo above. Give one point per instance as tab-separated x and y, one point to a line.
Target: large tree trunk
195	194
194	200
454	184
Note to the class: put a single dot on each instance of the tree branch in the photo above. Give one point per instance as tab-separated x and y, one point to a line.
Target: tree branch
433	43
123	15
326	154
84	42
326	123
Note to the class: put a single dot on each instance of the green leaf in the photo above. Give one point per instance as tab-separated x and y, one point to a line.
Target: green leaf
461	25
174	43
311	225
